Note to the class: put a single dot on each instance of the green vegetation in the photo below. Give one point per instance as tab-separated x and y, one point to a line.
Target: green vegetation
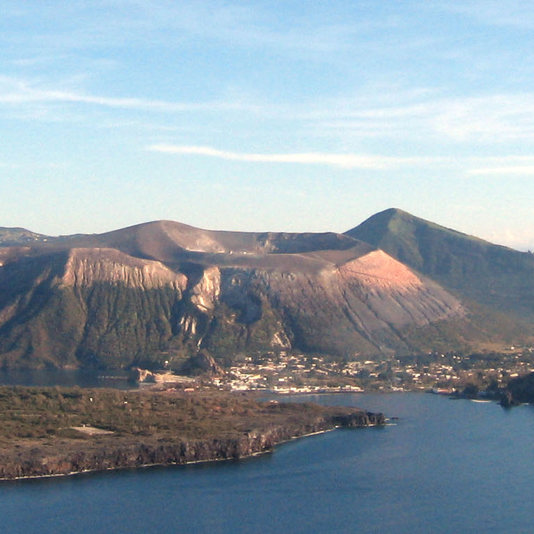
46	431
44	412
521	389
140	297
496	277
126	326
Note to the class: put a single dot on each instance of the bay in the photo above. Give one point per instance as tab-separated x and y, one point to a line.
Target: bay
443	466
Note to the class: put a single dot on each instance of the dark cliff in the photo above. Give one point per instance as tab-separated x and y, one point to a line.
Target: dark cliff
57	431
519	390
104	455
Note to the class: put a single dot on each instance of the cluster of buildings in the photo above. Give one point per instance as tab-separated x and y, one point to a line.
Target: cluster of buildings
295	373
285	372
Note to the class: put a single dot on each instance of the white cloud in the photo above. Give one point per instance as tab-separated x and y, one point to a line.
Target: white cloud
494	119
309	33
346	161
524	170
517	239
501	166
416	115
19	92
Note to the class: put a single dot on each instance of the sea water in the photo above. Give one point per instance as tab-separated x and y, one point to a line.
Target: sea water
443	466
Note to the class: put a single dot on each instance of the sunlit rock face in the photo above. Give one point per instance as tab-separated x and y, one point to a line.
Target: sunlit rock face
85	267
164	291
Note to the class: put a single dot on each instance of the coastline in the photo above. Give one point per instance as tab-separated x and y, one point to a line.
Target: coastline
192	462
222	427
252	454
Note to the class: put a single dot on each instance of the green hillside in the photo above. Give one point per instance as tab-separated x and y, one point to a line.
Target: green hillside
492	275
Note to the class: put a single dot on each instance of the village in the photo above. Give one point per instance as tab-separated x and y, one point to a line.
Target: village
439	372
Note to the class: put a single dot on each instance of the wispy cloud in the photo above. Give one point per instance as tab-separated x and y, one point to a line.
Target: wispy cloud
514	238
525	170
19	92
470	166
501	166
316	32
420	114
494	119
346	161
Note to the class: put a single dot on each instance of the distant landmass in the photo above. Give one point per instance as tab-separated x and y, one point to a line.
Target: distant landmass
62	431
162	293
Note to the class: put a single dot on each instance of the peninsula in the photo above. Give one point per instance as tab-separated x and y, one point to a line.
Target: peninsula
61	431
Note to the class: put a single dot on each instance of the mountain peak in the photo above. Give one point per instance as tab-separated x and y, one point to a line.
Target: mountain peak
163	290
378	230
480	270
391	212
18	236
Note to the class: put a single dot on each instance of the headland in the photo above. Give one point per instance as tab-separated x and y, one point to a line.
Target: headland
62	431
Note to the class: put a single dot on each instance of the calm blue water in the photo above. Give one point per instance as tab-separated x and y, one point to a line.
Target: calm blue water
446	466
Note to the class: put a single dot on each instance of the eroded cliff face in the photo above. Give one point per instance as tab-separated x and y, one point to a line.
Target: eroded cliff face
118	453
377	271
93	307
395	294
205	294
360	306
85	267
163	292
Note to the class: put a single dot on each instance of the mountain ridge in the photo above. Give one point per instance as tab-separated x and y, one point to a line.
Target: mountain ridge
492	275
163	291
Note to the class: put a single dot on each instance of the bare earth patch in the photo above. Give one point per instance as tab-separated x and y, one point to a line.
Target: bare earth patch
92	430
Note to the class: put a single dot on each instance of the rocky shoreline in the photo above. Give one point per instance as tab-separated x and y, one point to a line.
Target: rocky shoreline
60	455
149	453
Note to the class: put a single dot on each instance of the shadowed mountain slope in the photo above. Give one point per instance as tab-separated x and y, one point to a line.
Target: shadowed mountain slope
164	291
494	276
18	236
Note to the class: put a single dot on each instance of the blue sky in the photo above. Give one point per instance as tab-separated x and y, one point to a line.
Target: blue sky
286	116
